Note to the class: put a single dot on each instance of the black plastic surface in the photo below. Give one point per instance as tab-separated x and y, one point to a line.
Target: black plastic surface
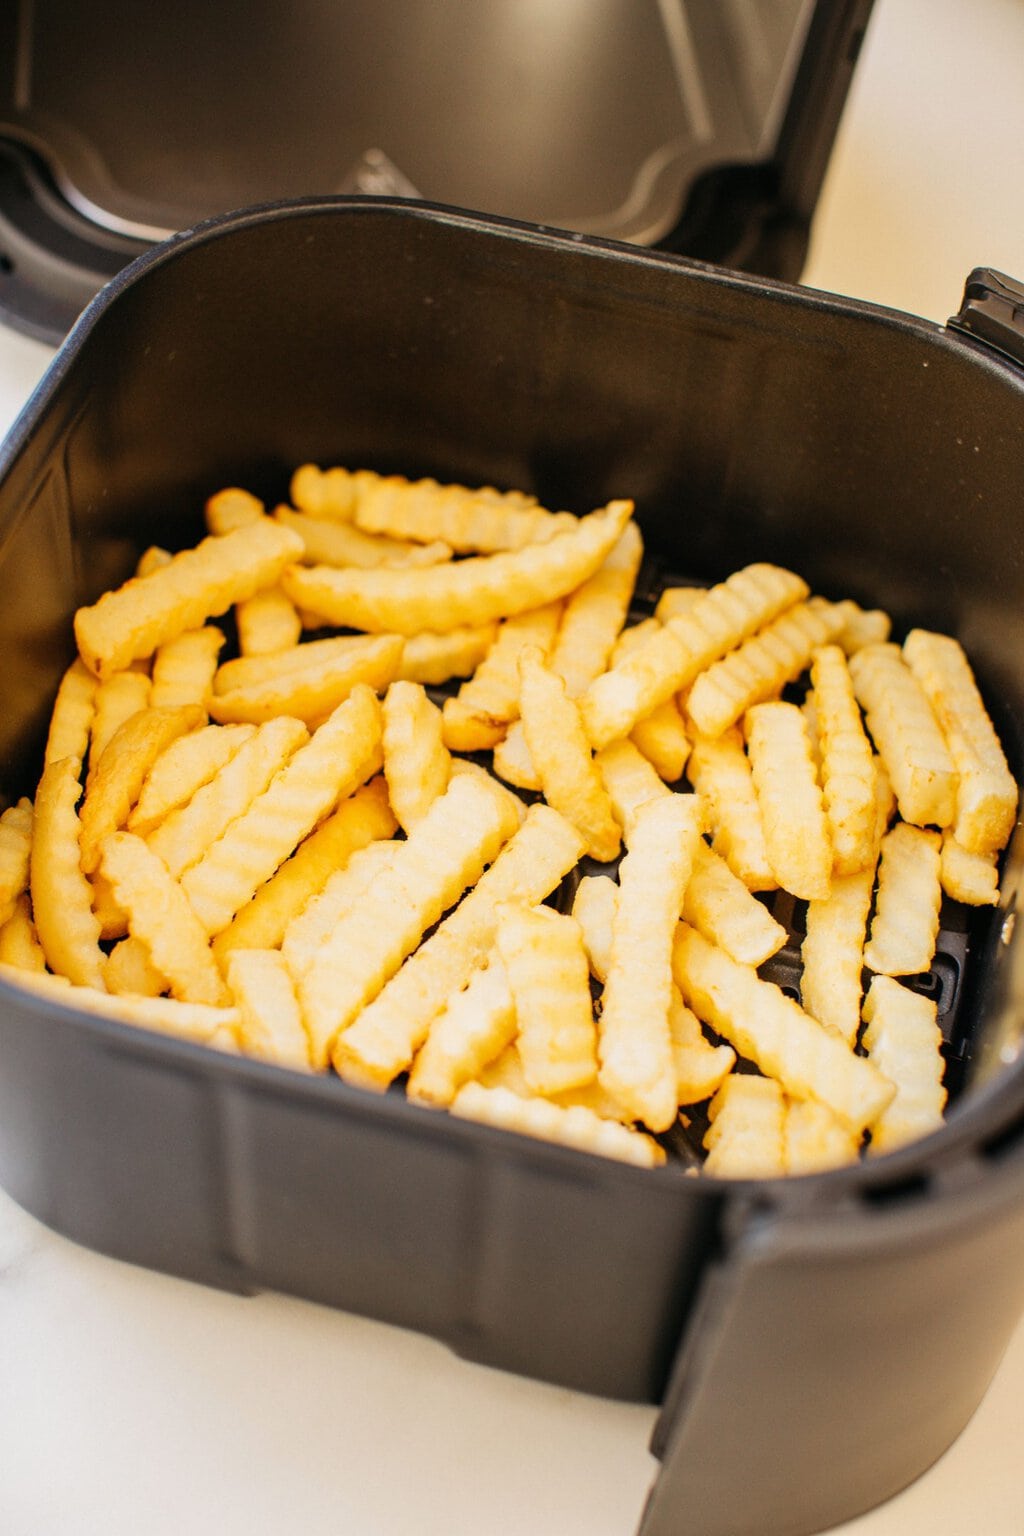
878	455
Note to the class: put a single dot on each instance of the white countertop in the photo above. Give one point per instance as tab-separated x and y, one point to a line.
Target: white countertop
133	1403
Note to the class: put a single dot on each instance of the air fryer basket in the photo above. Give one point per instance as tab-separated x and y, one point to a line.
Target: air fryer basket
876	454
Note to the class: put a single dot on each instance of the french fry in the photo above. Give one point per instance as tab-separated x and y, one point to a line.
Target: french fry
118	697
719	771
814	1139
144	613
269	1018
183	668
152	558
161	916
847	762
903	1039
986	794
661	735
478	716
307	658
746	1138
464	767
262	923
311	694
417	764
701	1068
906	921
339	543
475	1025
793	817
862	626
634	1044
907	735
720	906
506	1071
593	907
183	768
630	779
334	493
72	717
472	591
116	781
432	659
775	1033
675	601
267	622
192	1021
472	522
19	941
326	492
758	669
562	757
15	850
340	756
575	1126
386	1035
972	878
232	508
130	972
544	960
312	925
832	953
68	929
444	854
185	834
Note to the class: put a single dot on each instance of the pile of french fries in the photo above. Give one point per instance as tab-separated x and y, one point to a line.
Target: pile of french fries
283	846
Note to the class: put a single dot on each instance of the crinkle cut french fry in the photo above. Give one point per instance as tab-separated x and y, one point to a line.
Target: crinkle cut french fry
815	1140
311	656
152	559
339	543
506	1071
72	717
15	849
575	1126
417	764
472	522
904	1040
193	1021
19	941
906	921
130	972
987	793
543	956
701	1068
793	817
474	1027
269	1018
183	667
161	916
832	953
724	910
312	693
432	659
847	762
262	923
232	508
907	735
311	926
561	755
444	854
972	878
340	756
661	734
862	626
118	697
634	1043
775	1033
593	907
758	669
384	1038
326	492
746	1138
719	771
134	619
630	779
477	717
471	591
267	622
183	768
68	929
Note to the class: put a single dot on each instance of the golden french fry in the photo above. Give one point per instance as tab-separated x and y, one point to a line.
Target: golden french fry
815	1139
193	1021
593	907
61	895
634	1043
339	543
161	916
386	1035
19	941
136	618
326	492
474	1026
862	626
847	762
312	693
562	757
15	850
719	771
185	834
183	768
340	756
432	659
972	878
116	781
904	1041
674	601
118	697
720	906
661	737
262	923
575	1126
833	953
746	1138
906	921
907	735
758	669
472	522
267	622
417	764
309	657
796	831
986	794
111	918
478	716
506	1071
72	717
630	779
543	956
232	508
701	1068
444	854
130	972
312	925
775	1033
152	558
269	1018
471	591
183	668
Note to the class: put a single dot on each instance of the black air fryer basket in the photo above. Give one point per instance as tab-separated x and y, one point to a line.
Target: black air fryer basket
878	455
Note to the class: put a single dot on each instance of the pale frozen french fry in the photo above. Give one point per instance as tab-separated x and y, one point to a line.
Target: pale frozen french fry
847	763
726	912
904	1041
130	972
561	755
474	1026
972	878
506	1071
161	916
183	768
267	622
72	715
546	966
15	851
269	1018
19	941
746	1138
986	793
758	669
719	770
340	756
134	619
907	735
796	831
183	668
313	692
630	779
477	717
232	508
906	921
471	591
193	1021
417	764
116	780
384	1038
432	659
634	1042
832	953
575	1126
775	1033
340	543
815	1140
118	696
313	923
